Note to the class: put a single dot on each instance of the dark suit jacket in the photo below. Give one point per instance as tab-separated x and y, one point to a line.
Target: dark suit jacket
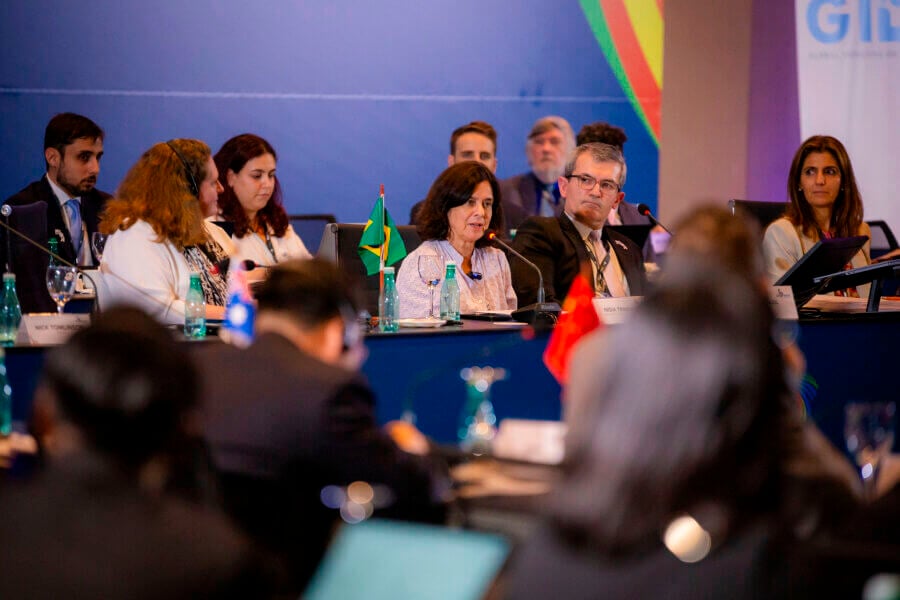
30	271
281	426
520	194
82	529
554	245
629	215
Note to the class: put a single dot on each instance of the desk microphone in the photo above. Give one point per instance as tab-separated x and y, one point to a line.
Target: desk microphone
7	210
645	210
540	311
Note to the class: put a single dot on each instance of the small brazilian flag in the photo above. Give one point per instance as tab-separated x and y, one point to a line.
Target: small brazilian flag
380	231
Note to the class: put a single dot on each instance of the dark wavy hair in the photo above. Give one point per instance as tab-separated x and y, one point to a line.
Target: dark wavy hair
847	212
233	155
693	415
453	188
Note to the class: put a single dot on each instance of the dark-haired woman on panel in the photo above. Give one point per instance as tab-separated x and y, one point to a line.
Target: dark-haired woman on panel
159	234
251	199
462	206
825	203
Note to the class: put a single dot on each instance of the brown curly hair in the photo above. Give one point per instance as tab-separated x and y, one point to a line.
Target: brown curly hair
157	190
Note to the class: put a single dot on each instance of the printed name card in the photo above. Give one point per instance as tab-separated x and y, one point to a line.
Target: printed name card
45	329
615	310
781	299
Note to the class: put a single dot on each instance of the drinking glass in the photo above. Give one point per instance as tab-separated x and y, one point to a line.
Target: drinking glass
98	243
869	433
61	284
431	269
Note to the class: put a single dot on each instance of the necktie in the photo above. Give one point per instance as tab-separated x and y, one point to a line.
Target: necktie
548	202
73	211
601	288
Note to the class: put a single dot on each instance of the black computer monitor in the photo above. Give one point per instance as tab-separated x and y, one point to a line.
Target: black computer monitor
826	256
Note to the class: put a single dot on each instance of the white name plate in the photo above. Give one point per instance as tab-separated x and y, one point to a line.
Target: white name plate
615	310
45	329
781	299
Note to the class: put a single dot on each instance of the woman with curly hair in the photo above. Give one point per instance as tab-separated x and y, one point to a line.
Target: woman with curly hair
159	235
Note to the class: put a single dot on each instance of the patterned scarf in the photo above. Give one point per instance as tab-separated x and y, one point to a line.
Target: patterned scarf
206	260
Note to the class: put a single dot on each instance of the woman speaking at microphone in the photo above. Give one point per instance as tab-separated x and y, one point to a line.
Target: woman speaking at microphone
462	206
159	235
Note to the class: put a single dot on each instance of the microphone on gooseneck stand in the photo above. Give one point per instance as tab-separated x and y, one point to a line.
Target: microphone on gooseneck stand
645	210
540	312
6	210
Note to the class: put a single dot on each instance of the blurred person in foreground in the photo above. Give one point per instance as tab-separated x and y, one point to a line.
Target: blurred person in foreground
159	234
251	199
291	415
674	483
114	409
824	203
462	206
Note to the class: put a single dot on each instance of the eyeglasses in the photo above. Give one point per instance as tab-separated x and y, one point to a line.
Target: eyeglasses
587	183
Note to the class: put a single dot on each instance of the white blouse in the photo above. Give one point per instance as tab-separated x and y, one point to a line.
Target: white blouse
253	247
493	292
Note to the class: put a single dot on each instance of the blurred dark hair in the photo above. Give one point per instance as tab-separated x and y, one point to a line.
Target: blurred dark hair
65	128
711	232
125	384
311	291
479	127
678	408
453	188
233	155
603	133
847	212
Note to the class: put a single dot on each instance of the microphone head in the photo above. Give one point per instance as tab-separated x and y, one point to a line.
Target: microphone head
248	265
6	210
644	209
491	235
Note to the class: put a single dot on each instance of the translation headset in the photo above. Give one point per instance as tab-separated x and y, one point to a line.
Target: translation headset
192	183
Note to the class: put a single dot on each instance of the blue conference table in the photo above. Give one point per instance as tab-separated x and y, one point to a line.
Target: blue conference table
848	358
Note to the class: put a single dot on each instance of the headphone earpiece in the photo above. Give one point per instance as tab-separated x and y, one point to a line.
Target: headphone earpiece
192	183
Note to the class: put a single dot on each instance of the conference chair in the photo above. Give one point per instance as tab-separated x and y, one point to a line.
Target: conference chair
883	240
28	262
311	227
763	212
340	243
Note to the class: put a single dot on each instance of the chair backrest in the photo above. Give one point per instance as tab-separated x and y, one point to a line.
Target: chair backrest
339	244
311	227
391	559
26	261
763	212
883	240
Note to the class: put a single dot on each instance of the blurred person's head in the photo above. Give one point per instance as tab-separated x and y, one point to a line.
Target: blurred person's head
314	304
689	419
121	386
713	233
251	194
592	182
549	143
73	146
821	183
474	141
602	133
173	187
462	204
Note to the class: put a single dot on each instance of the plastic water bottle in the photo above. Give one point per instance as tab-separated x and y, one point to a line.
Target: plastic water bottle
195	310
53	245
450	294
389	303
10	311
5	400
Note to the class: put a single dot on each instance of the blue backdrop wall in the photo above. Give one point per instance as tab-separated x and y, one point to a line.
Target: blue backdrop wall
351	94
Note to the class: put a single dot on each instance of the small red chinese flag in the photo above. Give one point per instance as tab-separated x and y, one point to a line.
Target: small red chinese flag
578	319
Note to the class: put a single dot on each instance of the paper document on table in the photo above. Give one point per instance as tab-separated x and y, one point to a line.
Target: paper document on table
844	304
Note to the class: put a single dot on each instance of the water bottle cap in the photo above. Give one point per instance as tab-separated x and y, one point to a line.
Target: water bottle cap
389	270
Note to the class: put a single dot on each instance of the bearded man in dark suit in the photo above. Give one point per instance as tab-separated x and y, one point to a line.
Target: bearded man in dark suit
591	186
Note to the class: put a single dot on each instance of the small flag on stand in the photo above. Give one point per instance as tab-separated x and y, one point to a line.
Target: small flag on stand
380	244
577	319
240	310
